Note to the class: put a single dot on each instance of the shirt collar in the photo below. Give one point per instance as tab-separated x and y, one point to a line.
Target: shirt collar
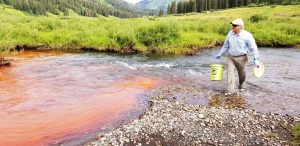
238	34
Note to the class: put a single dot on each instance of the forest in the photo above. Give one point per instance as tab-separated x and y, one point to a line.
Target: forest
185	6
90	8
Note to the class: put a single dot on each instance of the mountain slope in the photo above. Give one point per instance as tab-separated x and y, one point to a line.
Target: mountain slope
154	4
89	8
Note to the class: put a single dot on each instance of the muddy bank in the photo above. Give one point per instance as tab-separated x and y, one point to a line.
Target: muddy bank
131	49
170	120
5	62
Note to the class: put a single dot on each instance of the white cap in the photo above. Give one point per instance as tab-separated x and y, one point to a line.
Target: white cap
239	22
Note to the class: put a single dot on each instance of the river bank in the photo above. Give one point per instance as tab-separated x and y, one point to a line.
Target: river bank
186	34
173	121
5	62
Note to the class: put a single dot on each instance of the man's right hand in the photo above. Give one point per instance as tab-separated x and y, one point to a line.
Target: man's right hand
218	57
256	63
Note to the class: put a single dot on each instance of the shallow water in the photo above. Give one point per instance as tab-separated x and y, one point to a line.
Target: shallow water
48	97
45	97
276	91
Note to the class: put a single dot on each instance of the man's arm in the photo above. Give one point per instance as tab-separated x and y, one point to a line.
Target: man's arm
253	47
225	46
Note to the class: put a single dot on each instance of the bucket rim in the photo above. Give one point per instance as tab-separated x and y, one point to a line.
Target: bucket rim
216	65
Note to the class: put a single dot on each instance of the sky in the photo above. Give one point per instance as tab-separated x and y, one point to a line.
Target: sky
133	1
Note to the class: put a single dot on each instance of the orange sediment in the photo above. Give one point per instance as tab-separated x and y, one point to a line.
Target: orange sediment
38	111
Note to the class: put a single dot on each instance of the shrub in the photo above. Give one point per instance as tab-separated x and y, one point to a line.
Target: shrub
123	40
256	18
157	34
251	5
223	30
291	30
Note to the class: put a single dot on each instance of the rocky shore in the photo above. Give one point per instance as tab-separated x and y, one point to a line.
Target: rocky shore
169	121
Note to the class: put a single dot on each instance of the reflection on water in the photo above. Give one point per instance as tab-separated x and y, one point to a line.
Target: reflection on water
45	97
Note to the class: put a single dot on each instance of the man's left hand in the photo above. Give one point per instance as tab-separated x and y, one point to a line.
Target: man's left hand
256	63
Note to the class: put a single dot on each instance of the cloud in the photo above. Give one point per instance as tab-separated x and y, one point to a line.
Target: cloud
132	1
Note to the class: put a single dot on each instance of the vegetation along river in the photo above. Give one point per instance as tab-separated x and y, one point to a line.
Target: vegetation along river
50	97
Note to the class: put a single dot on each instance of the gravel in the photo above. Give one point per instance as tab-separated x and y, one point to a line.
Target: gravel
171	120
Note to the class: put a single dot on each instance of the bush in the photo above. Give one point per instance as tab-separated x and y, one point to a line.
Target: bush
157	34
223	30
123	40
290	30
251	5
256	18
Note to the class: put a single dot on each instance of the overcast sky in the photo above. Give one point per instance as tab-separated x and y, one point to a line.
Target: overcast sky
133	1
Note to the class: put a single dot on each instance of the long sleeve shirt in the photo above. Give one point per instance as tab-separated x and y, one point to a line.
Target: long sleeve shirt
239	44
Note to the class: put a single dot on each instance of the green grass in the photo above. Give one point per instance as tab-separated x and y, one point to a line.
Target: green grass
296	135
186	34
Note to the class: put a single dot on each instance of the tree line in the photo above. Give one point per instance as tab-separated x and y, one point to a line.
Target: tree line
90	8
187	6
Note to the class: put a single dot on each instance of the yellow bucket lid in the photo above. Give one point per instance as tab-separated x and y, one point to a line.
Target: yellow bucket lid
259	71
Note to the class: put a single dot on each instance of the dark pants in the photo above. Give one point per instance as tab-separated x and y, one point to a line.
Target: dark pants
239	63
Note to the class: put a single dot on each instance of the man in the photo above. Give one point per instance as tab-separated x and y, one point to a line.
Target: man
238	44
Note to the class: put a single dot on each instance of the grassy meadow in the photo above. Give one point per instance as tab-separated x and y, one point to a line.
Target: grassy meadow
273	26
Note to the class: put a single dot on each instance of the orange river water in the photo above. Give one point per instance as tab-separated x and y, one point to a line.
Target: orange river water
42	101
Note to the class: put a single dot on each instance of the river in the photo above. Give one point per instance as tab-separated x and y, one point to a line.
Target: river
53	98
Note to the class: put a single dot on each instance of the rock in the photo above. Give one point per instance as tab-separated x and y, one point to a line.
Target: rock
201	116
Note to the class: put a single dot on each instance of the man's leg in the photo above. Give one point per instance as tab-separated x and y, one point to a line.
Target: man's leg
230	75
241	65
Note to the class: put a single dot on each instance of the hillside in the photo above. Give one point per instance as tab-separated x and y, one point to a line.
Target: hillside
90	8
154	4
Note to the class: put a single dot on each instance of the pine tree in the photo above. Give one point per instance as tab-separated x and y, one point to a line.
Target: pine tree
173	7
180	7
241	3
194	6
214	4
226	4
247	2
169	9
209	4
198	2
161	12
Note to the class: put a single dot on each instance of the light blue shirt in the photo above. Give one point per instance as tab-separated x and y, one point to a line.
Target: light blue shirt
239	44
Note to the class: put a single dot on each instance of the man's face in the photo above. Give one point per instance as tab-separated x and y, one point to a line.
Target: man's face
236	28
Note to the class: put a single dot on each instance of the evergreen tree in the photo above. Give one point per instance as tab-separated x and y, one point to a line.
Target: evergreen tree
214	4
161	12
173	7
194	6
180	7
90	8
226	4
241	3
198	2
169	9
248	2
209	4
